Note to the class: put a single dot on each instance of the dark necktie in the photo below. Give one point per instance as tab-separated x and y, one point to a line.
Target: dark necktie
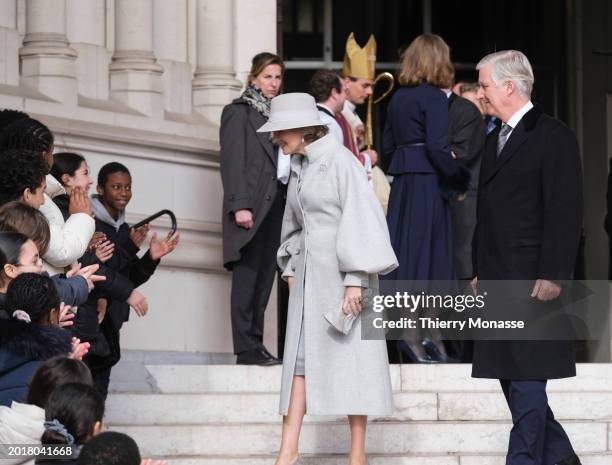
504	133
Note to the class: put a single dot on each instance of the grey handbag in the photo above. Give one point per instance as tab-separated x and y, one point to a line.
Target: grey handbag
339	320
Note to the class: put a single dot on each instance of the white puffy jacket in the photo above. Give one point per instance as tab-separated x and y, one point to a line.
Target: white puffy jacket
21	424
69	239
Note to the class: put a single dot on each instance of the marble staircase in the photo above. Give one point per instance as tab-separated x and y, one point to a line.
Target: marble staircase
227	415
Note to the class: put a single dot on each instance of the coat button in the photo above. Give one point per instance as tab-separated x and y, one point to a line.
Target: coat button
268	197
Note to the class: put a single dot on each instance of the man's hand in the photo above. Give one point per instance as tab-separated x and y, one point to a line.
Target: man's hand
352	300
474	284
138	302
139	235
545	290
244	218
79	202
158	249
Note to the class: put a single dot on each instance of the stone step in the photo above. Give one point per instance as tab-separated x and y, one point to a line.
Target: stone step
201	409
586	459
591	377
439	438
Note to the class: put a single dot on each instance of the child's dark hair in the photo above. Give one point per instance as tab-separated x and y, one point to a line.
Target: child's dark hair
19	217
27	134
110	168
72	412
57	371
21	170
65	163
110	448
10	249
34	294
8	117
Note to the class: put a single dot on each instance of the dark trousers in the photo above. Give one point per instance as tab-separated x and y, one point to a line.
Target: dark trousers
253	277
536	437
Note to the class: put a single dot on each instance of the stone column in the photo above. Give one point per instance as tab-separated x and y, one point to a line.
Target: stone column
135	75
86	30
170	48
215	84
9	43
47	60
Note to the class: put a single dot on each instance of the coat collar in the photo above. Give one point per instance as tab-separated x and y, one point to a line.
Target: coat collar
520	134
256	120
321	147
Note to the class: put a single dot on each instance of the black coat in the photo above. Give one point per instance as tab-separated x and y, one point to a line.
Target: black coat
467	132
530	210
23	348
248	173
126	262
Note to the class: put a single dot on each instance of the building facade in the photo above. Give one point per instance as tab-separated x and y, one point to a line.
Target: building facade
143	82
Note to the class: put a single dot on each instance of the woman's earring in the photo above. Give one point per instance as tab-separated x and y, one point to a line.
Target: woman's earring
302	140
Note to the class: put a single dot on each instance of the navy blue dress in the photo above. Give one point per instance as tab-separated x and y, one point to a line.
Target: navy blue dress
425	176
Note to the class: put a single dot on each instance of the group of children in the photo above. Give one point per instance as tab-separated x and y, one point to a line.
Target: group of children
69	270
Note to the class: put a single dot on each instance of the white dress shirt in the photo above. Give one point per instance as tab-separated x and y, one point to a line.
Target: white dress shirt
331	123
516	118
283	166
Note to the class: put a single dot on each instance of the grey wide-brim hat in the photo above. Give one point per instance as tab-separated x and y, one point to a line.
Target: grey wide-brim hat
292	111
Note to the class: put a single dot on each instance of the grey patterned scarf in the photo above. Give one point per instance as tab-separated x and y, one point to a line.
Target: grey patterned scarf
256	99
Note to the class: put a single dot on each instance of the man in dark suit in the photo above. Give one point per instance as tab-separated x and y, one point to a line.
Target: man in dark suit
530	209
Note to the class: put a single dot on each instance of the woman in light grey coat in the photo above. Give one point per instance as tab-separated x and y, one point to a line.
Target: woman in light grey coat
334	239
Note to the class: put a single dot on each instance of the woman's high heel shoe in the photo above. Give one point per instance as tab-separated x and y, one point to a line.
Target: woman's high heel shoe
431	347
404	349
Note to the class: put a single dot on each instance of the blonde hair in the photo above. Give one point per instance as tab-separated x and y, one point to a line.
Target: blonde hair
427	61
313	133
510	65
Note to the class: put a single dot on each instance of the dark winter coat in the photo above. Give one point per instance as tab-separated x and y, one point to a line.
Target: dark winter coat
248	173
23	348
530	210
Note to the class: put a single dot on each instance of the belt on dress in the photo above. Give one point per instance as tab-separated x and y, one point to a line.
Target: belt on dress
413	144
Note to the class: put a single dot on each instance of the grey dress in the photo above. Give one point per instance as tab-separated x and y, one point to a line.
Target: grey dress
334	235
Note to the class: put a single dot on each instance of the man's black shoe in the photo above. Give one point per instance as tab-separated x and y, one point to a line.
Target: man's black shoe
256	357
269	354
573	460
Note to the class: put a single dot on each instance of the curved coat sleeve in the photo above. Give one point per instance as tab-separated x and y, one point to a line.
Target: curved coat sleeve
363	246
69	240
291	233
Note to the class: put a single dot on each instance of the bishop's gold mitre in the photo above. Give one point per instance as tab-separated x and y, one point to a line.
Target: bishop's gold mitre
360	62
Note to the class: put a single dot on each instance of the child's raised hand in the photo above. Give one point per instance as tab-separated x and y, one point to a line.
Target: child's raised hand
139	235
158	249
79	349
79	202
104	251
65	316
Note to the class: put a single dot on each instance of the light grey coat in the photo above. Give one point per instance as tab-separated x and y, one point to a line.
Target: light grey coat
334	235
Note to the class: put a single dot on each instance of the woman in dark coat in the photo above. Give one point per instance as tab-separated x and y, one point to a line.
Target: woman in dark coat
424	174
254	191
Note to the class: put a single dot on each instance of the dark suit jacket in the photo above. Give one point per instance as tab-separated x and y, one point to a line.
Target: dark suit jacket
248	173
530	209
467	132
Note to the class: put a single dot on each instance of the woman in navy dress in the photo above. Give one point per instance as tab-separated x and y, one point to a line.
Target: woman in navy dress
425	176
